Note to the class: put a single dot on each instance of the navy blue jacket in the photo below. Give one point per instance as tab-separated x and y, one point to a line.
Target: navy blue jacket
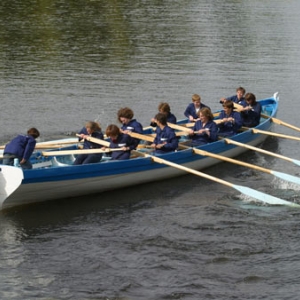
166	135
21	146
235	99
133	126
229	128
191	110
123	140
251	117
204	138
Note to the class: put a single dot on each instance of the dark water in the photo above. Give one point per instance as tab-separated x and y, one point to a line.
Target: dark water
65	62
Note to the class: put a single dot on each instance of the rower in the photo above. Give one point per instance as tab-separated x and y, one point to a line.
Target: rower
125	116
230	120
191	112
238	98
164	108
205	129
165	140
251	112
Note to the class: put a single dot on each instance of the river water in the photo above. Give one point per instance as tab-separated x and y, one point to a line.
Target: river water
65	62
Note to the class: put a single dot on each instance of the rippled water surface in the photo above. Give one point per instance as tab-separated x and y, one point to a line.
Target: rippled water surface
65	62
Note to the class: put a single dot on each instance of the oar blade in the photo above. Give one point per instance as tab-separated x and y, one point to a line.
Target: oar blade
296	161
262	197
286	177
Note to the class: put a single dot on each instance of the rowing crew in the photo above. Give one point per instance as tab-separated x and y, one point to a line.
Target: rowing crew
205	130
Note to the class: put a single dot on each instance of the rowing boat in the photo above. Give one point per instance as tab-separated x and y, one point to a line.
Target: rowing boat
54	177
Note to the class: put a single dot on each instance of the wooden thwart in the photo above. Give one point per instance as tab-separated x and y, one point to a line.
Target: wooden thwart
96	141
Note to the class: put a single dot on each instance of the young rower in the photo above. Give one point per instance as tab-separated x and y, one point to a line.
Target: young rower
164	108
205	129
91	129
21	148
251	112
165	140
231	121
238	98
191	112
125	116
119	140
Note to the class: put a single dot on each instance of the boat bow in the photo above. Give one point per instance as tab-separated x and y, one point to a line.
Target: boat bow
10	179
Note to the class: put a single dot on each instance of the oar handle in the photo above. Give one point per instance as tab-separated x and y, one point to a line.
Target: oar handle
141	136
82	151
96	141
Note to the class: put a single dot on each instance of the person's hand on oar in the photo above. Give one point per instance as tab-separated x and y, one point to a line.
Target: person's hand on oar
200	131
158	146
83	136
91	129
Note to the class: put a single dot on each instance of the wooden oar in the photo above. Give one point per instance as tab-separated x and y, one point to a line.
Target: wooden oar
179	127
186	127
237	106
49	145
279	122
280	175
97	141
295	161
276	134
265	198
60	142
151	137
83	151
143	137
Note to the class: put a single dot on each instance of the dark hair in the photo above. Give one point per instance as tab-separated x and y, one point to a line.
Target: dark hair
125	112
33	132
161	118
164	107
228	104
250	97
112	130
241	89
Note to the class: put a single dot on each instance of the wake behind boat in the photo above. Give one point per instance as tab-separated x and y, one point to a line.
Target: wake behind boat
54	177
